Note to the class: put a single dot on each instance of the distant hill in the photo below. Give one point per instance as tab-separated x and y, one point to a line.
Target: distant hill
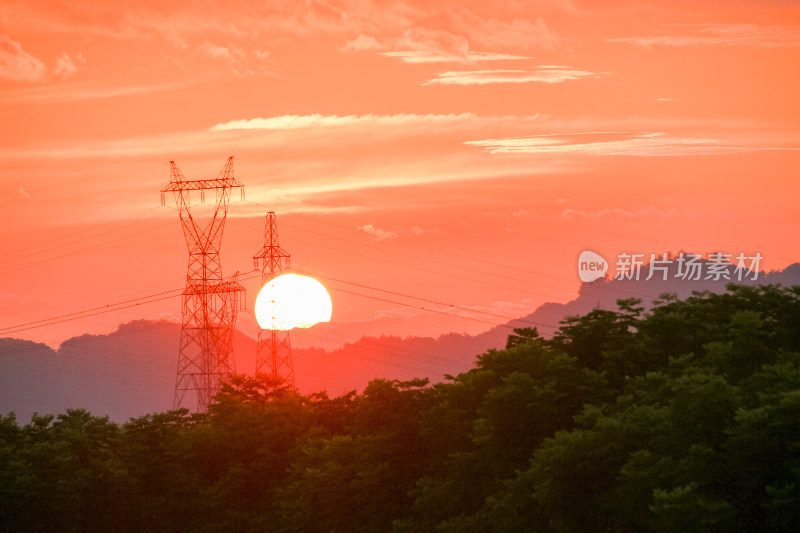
127	373
354	364
131	372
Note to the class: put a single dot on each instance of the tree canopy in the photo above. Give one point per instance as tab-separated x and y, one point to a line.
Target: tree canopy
682	418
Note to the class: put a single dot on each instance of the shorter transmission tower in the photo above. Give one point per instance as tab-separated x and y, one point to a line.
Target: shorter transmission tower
210	304
274	349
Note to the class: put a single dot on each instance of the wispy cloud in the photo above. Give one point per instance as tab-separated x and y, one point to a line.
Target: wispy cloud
418	230
225	53
420	56
648	211
66	64
286	133
239	61
329	163
377	233
71	92
721	35
408	25
542	74
454	40
292	122
361	43
608	143
523	32
17	64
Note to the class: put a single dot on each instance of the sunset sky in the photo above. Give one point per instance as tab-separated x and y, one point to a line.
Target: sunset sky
461	153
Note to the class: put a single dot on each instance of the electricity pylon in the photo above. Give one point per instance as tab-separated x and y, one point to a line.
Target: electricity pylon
274	349
210	304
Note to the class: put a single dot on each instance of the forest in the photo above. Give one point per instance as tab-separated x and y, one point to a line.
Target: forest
684	417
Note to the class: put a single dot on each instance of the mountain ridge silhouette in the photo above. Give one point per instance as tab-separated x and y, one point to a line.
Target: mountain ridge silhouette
131	372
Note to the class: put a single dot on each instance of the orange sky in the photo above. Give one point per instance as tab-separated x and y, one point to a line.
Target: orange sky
461	152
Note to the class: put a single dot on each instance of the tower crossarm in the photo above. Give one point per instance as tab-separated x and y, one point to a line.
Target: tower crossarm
225	179
272	258
272	251
202	241
214	288
198	185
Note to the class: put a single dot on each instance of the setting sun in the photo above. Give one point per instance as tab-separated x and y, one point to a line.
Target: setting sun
292	301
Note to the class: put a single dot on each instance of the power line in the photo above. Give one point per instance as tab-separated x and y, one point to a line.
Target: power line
427	259
91	312
9	328
453	306
50	243
415	306
53	322
422	269
133	302
420	245
472	258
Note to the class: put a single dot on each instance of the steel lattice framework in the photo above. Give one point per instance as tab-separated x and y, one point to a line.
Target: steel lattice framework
210	304
274	349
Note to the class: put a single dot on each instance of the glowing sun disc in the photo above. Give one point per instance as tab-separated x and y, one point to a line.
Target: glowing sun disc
292	301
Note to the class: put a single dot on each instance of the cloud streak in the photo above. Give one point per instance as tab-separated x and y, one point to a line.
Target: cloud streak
421	56
61	93
648	211
294	122
720	35
609	144
543	74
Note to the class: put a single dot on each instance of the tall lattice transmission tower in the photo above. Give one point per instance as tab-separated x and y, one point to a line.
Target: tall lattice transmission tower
210	303
274	349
